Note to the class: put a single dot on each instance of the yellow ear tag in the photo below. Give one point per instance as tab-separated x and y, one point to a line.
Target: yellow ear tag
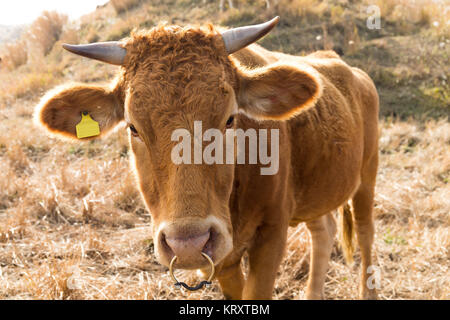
87	127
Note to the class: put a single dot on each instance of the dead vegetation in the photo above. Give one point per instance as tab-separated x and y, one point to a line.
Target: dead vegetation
73	225
46	30
36	42
14	54
124	5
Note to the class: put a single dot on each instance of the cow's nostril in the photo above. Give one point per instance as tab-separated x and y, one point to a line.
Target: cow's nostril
209	246
189	246
164	244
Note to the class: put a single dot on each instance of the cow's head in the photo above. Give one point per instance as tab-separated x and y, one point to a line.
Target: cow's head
170	77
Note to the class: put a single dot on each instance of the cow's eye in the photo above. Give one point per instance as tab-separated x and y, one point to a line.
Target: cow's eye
230	122
133	131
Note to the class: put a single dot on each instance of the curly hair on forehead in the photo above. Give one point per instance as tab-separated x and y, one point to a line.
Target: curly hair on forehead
170	45
178	66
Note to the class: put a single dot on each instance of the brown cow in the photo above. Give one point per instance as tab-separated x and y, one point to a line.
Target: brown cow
326	113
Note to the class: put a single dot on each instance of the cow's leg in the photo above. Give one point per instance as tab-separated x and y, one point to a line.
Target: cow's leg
231	281
265	257
363	207
322	232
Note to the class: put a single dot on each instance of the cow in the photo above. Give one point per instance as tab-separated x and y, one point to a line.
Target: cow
326	114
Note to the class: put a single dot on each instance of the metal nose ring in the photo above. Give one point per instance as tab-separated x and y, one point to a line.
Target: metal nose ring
206	283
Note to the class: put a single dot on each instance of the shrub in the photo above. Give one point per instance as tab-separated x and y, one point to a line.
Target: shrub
46	30
14	54
124	5
92	36
33	84
70	35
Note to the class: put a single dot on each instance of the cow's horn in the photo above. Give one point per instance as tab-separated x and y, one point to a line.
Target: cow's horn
109	52
238	38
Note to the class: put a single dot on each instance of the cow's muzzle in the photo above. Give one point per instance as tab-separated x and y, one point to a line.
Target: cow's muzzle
189	240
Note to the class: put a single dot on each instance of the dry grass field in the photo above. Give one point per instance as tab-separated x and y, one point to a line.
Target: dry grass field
73	225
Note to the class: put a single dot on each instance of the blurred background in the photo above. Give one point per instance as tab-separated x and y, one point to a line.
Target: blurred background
72	224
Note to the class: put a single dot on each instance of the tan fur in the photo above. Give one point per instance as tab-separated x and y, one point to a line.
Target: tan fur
347	232
173	76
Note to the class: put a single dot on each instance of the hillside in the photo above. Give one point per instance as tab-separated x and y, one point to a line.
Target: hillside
407	58
73	225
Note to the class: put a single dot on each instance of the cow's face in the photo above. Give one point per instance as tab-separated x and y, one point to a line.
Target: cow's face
177	78
177	82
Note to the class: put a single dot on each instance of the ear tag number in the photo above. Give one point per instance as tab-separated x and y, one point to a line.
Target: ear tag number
87	127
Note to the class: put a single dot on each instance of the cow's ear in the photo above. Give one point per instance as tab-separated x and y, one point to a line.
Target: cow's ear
278	91
60	110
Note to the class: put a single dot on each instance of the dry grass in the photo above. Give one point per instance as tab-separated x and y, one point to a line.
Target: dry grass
14	54
29	82
124	5
420	11
73	225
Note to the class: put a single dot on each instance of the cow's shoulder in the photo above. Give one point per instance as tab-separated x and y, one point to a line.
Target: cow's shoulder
324	54
329	64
